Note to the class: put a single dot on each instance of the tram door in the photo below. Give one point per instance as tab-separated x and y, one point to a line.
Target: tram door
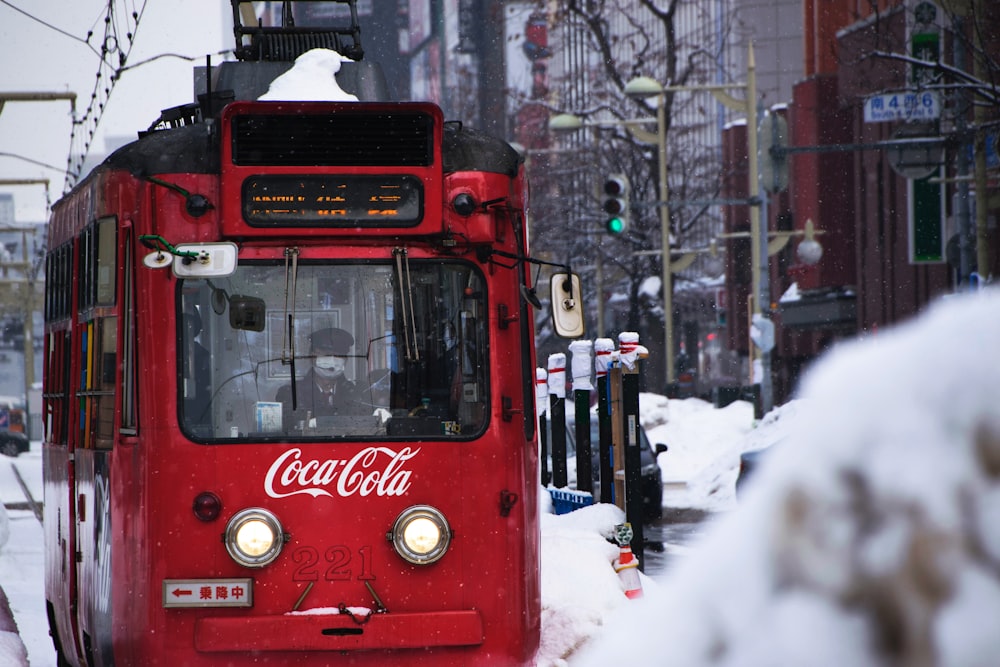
96	341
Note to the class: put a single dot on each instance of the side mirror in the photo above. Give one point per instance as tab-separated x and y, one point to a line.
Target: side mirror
567	306
213	260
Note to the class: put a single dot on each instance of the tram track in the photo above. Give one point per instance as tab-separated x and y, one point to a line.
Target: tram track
30	502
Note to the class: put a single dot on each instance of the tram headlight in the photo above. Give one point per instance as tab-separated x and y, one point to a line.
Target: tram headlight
254	537
421	535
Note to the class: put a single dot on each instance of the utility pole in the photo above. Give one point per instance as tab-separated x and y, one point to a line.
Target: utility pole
979	117
966	239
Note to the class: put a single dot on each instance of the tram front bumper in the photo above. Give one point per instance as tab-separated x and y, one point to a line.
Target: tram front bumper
338	632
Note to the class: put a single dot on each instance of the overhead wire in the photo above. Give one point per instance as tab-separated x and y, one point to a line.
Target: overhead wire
114	52
121	19
44	23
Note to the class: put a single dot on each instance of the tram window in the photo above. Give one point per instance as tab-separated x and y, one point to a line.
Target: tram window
97	390
373	350
105	261
105	366
56	387
58	283
98	262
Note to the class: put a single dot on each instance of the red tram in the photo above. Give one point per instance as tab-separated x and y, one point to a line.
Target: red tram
289	394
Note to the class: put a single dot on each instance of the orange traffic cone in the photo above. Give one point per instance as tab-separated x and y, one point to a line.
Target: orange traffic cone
627	567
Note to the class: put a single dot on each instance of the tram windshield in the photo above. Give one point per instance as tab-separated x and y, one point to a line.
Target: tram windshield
317	351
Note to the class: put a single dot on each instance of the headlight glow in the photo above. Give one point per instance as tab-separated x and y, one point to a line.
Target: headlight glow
421	535
254	537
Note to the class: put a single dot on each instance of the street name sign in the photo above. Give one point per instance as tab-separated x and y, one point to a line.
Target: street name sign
907	105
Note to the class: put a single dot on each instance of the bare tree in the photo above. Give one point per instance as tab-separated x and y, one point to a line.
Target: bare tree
620	40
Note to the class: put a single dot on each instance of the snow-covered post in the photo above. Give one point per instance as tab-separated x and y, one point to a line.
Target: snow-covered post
629	352
580	369
603	348
557	410
541	407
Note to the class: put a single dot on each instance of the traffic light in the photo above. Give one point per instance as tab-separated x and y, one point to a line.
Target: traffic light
615	203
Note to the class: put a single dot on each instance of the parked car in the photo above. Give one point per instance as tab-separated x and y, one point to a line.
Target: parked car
652	481
13	443
750	461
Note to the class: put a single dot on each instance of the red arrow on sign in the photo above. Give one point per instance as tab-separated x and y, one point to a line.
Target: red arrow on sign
178	592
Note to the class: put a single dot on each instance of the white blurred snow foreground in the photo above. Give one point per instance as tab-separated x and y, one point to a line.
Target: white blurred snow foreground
871	536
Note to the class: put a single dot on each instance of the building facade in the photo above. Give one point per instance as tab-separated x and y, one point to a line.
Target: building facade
895	221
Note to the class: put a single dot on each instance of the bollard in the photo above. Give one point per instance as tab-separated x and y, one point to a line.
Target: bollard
557	414
582	388
603	348
541	408
629	352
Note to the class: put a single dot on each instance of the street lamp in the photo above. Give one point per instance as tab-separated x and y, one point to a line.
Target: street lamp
641	88
646	87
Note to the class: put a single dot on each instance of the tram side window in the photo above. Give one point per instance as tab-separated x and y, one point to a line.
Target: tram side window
58	283
56	387
97	286
98	383
58	294
99	337
104	385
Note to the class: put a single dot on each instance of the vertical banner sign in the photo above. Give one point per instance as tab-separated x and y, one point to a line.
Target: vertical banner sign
926	206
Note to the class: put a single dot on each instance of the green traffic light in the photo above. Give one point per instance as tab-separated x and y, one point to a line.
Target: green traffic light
615	225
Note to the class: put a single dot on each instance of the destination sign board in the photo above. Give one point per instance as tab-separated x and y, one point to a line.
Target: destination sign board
207	592
333	200
906	105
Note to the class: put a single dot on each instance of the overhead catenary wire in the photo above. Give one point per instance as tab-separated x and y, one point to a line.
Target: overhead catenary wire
49	25
116	25
121	22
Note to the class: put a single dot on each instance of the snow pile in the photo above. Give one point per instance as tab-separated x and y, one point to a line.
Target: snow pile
12	650
700	465
586	591
871	536
313	78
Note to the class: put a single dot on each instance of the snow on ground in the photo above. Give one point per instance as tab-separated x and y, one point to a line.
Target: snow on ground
21	565
704	443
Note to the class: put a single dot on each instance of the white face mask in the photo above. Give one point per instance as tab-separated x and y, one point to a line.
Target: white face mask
329	366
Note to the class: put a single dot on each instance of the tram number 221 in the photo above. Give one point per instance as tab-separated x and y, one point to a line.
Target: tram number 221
335	563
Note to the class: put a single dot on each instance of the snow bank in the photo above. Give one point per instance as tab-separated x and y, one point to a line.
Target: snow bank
871	536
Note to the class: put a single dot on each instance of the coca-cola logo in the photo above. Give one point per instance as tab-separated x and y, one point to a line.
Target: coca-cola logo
378	470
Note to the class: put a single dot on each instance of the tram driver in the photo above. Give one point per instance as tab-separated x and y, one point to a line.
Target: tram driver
324	391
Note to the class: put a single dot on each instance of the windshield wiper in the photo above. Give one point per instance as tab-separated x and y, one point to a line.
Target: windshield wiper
291	281
406	305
